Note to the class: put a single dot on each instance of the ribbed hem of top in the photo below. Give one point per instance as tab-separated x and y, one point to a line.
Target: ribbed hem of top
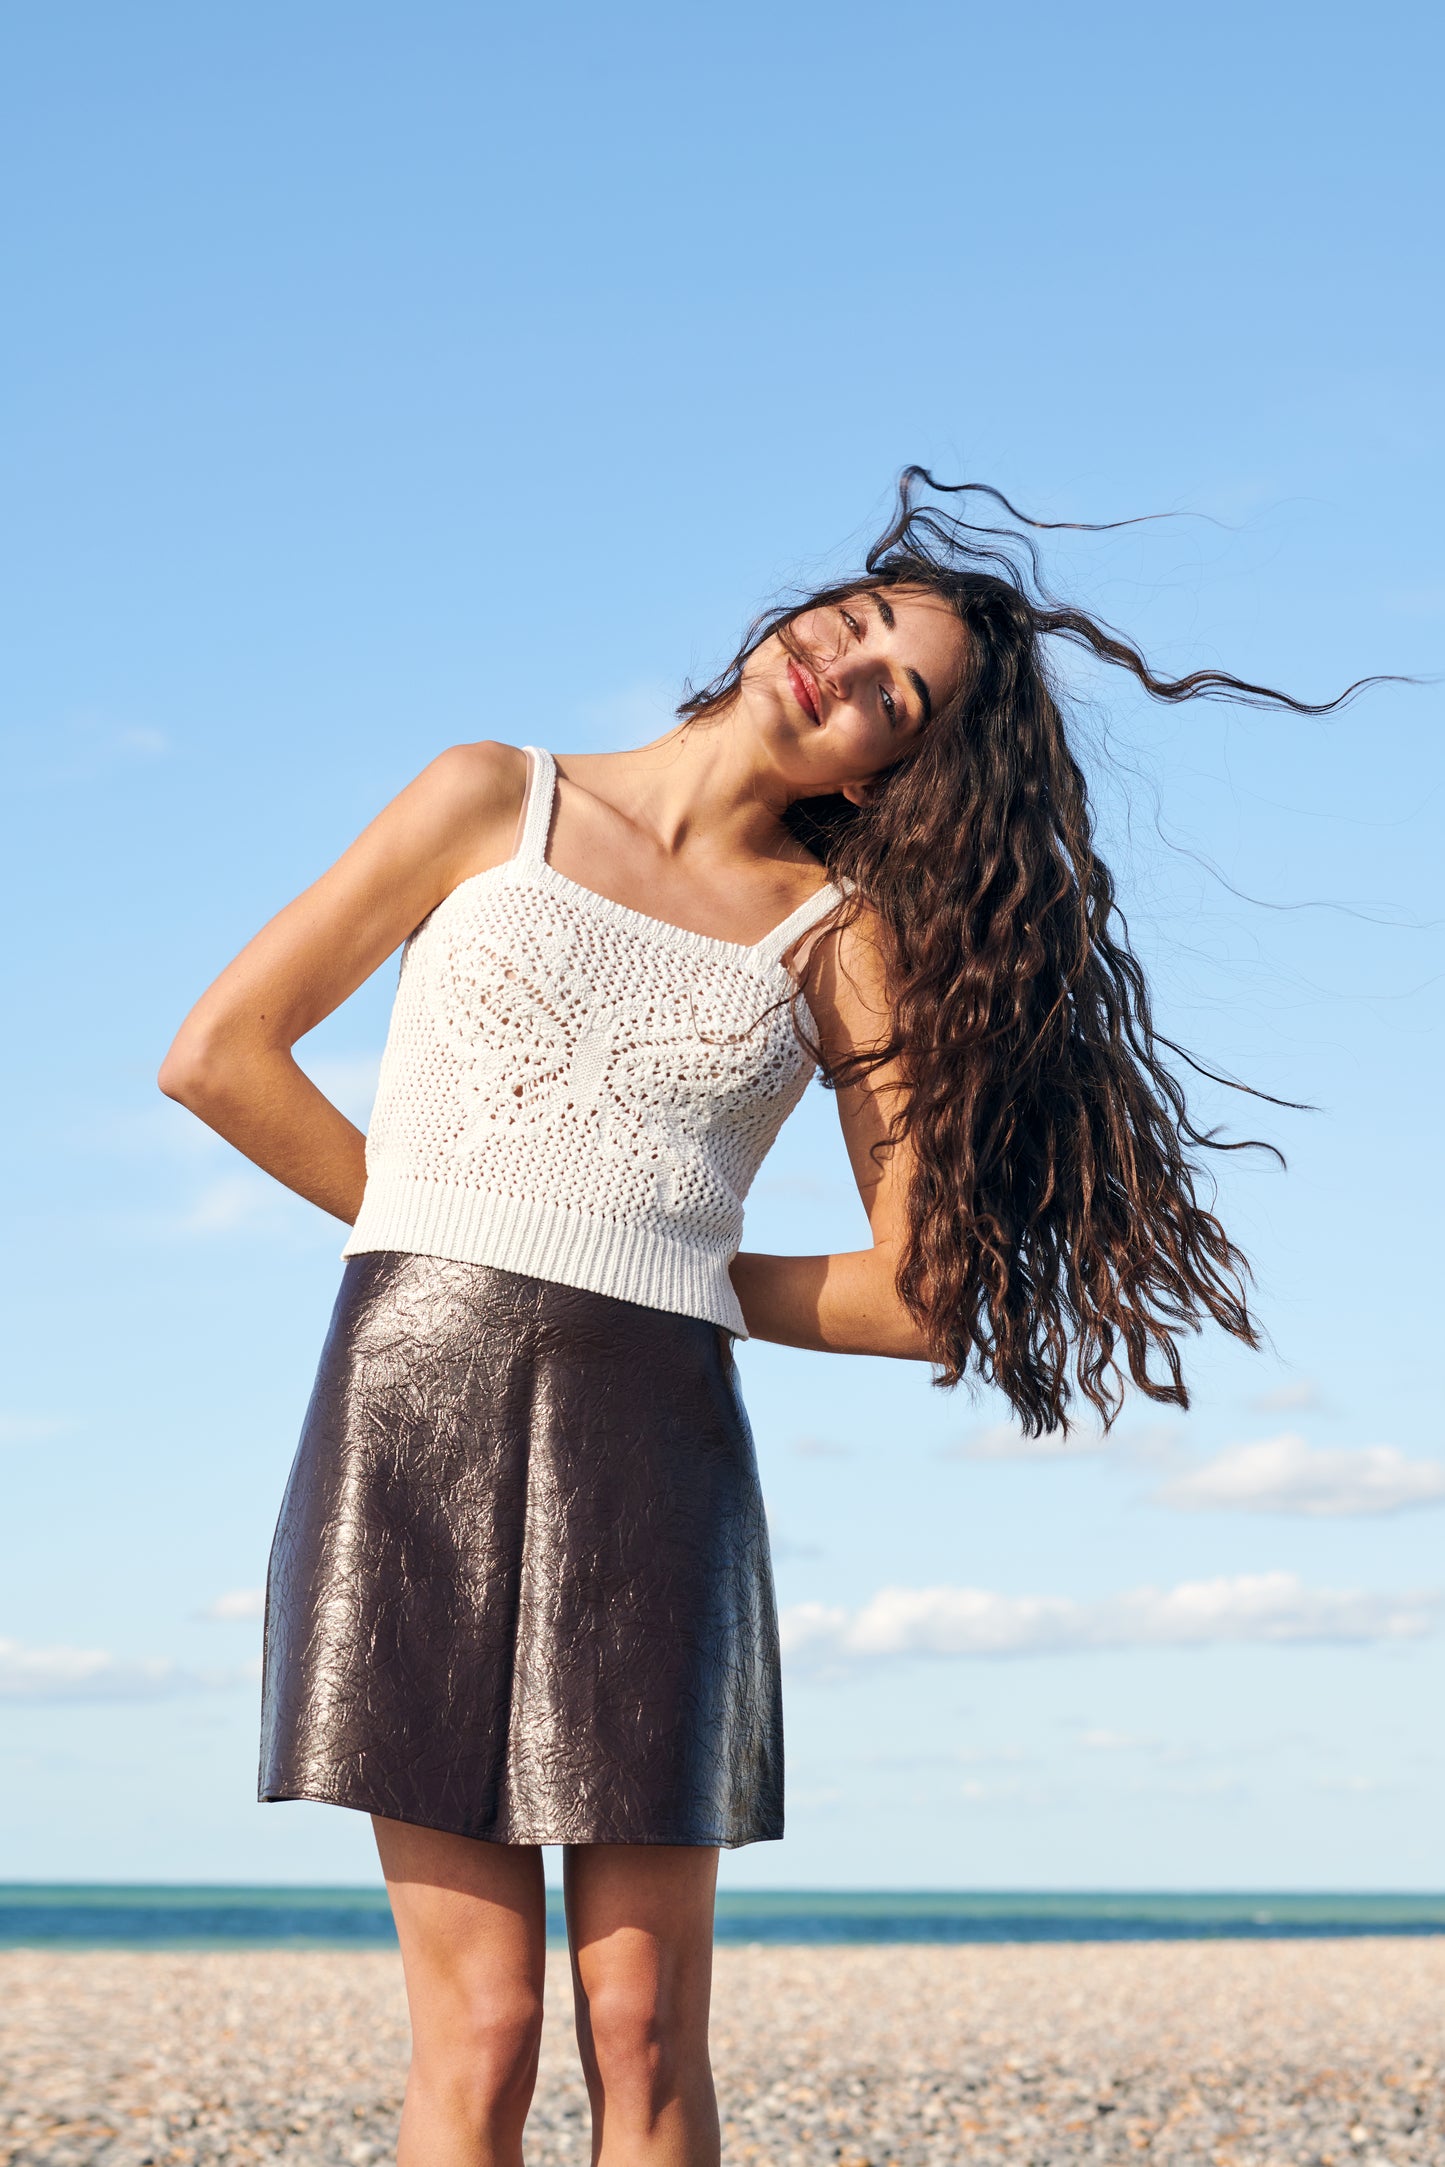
547	1241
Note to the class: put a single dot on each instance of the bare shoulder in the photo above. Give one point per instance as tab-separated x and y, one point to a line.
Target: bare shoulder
481	780
468	801
847	985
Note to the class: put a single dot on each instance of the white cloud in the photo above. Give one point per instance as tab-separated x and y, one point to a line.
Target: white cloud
1284	1474
1003	1441
1417	601
84	748
244	1200
237	1603
1272	1607
1301	1396
234	1202
144	740
818	1800
1157	1444
1233	500
1152	1444
786	1546
31	1429
643	711
1223	1783
348	1080
91	1674
1011	1792
821	1448
162	1129
1105	1741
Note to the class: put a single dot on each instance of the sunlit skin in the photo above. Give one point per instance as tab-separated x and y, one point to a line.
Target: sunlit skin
874	670
688	829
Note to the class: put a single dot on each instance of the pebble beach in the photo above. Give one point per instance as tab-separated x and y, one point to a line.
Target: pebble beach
1307	2053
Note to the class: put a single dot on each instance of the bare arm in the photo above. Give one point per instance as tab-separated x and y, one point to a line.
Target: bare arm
232	1063
848	1303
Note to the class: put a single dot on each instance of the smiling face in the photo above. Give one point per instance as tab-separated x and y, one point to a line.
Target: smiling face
854	687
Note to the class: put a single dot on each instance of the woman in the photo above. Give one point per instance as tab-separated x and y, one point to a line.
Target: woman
520	1592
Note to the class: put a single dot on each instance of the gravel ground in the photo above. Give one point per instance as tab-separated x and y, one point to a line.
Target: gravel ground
1235	2054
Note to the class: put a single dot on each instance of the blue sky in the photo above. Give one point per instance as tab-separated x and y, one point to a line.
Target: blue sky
384	378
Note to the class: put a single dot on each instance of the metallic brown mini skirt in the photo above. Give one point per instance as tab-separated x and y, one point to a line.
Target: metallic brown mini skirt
520	1586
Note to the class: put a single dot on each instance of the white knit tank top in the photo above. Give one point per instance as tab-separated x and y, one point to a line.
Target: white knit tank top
577	1091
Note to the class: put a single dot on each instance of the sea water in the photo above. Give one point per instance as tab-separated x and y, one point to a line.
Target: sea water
131	1916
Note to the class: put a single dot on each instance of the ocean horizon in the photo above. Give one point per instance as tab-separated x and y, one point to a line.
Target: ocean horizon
80	1915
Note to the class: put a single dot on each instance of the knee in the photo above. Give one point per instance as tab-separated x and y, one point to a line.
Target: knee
504	2037
485	2052
637	2045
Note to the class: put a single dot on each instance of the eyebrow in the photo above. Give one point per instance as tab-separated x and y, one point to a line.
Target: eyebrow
925	697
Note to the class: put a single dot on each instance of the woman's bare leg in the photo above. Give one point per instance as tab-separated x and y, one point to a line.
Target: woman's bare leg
472	1922
639	1920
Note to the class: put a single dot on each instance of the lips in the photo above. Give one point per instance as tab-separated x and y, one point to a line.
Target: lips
805	690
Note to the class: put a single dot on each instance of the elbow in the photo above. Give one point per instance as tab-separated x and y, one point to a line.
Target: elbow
900	1333
190	1072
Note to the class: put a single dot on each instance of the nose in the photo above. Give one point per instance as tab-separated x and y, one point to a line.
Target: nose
845	672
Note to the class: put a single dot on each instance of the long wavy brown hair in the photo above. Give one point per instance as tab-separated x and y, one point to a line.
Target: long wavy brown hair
1055	1233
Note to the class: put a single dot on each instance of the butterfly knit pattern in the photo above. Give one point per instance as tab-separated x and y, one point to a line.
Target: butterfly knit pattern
577	1091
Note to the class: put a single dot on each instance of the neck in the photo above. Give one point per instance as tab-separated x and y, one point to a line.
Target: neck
708	780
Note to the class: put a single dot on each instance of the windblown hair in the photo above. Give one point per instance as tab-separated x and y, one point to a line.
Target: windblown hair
1055	1233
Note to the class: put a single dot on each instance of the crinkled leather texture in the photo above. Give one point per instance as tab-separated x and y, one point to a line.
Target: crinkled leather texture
520	1585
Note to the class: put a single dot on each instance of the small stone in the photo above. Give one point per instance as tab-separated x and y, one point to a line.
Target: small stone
1266	2054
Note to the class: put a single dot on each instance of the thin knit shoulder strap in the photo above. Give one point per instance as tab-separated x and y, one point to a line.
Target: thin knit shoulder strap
531	847
775	945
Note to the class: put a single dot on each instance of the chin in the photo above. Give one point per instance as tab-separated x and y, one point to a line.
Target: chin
788	737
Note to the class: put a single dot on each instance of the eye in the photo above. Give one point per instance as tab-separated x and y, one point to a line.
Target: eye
851	622
890	705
